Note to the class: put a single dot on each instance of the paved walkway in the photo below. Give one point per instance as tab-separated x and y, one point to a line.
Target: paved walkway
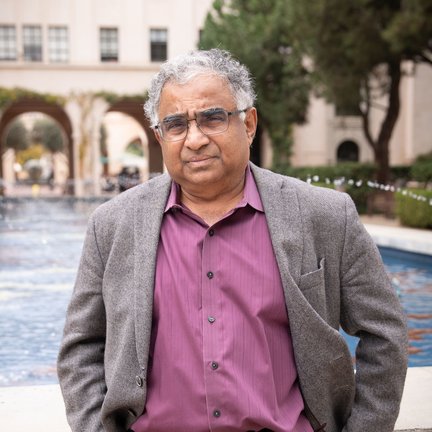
416	407
387	232
40	408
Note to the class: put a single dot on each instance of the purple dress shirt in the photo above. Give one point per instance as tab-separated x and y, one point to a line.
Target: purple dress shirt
221	356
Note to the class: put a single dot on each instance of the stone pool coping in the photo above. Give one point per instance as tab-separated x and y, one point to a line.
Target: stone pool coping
40	408
397	237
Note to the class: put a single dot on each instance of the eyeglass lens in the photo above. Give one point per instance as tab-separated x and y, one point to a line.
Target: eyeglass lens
211	121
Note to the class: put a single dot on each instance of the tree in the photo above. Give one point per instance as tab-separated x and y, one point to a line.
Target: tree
17	137
48	133
358	48
257	34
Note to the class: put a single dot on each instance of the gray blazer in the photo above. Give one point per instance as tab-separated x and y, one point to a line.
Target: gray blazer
332	276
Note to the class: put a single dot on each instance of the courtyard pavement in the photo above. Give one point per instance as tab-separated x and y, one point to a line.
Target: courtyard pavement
40	408
388	233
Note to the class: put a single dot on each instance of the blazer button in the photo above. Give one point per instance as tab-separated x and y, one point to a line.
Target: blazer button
139	381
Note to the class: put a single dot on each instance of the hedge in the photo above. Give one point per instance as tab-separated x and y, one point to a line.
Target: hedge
422	171
348	170
355	177
413	207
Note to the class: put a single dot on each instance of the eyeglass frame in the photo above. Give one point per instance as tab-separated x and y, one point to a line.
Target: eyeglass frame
157	126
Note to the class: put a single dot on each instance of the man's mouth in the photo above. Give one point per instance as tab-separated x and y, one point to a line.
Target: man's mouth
197	160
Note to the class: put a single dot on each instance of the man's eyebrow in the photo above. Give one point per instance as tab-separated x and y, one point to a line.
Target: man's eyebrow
174	117
212	109
171	117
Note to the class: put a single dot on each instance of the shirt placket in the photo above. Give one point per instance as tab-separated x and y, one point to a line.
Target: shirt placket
212	328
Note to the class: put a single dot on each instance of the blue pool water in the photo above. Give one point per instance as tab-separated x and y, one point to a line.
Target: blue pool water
40	246
411	275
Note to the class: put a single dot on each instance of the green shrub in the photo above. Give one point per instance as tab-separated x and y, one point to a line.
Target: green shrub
422	171
349	170
360	196
355	176
412	211
400	173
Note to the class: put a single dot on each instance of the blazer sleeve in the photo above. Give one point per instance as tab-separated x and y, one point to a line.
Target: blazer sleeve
81	358
370	310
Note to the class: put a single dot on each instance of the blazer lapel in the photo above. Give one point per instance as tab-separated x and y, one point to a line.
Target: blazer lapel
284	222
283	216
148	214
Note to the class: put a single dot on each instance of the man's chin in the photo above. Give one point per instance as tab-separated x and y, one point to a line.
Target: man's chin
201	178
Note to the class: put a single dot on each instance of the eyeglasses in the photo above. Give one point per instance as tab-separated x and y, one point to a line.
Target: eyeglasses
210	122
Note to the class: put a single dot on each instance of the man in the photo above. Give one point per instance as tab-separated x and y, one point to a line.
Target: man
210	298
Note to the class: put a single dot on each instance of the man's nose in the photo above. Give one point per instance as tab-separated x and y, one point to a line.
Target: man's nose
195	138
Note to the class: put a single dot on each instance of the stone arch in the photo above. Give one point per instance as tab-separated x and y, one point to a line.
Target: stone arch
348	151
53	110
135	110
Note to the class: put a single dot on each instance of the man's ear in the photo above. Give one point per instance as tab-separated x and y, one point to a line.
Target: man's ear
251	122
157	135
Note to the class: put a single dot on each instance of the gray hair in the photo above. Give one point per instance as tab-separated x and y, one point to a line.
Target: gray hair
184	68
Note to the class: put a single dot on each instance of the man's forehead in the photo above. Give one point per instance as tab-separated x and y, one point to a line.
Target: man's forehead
202	82
201	77
200	93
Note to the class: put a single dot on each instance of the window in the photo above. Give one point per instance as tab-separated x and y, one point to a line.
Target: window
109	44
32	38
158	44
7	42
348	151
58	47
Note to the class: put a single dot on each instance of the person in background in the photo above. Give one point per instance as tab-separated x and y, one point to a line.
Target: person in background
128	177
210	298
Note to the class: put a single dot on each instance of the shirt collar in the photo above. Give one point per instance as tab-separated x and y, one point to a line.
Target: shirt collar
251	195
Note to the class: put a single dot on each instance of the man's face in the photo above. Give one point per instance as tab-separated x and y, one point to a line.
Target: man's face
203	164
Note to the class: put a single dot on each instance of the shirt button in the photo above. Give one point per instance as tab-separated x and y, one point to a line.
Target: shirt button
211	232
214	365
216	413
211	319
210	275
139	381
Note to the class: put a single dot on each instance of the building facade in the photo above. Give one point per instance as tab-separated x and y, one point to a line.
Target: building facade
327	138
64	46
79	49
82	49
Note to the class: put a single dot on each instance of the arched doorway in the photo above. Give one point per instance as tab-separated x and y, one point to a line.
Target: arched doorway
135	110
348	151
124	152
53	110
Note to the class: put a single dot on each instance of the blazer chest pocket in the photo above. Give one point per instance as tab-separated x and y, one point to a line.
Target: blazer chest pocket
312	285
